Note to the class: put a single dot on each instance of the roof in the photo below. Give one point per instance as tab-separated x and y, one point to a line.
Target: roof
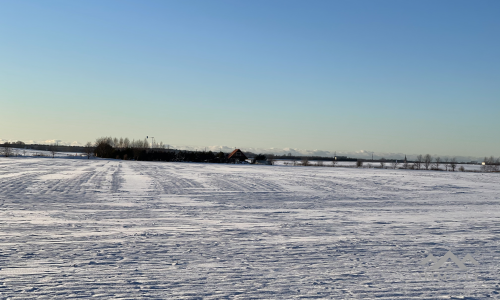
240	156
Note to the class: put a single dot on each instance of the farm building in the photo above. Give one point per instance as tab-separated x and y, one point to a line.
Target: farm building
237	156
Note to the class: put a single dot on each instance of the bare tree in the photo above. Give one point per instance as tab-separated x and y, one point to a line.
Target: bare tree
405	164
359	163
53	149
334	163
490	164
319	163
427	161
126	143
6	149
382	164
305	161
446	163
89	149
103	148
453	164
418	162
437	162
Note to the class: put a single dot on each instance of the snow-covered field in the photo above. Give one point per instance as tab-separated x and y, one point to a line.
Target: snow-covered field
73	228
352	164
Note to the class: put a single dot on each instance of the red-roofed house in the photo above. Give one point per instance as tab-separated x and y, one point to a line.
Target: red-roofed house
237	156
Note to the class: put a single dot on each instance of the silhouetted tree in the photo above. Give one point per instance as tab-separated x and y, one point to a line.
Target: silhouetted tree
6	149
453	164
418	162
427	161
103	147
89	149
53	149
437	162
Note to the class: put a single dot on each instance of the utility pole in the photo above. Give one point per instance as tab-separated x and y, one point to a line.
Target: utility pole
152	141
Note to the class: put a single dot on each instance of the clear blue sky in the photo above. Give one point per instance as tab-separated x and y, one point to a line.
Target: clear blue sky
384	76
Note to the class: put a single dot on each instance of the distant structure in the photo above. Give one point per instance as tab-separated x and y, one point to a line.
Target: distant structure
237	156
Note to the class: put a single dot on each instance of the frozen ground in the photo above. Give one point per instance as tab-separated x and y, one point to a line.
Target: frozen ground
120	229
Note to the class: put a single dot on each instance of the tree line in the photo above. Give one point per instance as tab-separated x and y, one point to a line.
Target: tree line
107	147
123	148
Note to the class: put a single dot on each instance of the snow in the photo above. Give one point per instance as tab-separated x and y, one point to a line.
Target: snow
73	228
368	164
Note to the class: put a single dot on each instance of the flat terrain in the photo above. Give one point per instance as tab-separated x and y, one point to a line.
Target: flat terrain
73	228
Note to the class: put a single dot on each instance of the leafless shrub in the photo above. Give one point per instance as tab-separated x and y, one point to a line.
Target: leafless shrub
6	149
319	163
437	162
53	149
305	161
490	164
382	164
359	164
453	164
418	162
461	169
446	163
427	161
395	165
496	167
334	163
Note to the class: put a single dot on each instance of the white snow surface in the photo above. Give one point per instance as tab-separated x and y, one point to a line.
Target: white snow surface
76	228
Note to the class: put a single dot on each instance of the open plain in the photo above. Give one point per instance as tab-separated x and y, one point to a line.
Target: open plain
77	228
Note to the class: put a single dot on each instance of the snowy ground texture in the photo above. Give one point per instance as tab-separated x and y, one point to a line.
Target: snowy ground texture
73	228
